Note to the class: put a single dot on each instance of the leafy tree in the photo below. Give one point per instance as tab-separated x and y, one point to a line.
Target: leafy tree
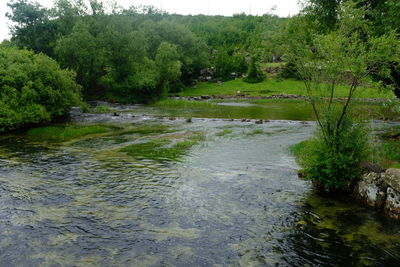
169	66
229	62
254	75
349	56
33	89
80	52
382	16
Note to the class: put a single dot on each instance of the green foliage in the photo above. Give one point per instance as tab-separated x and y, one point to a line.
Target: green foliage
101	109
387	147
334	164
390	153
390	109
65	133
224	132
254	75
275	86
138	54
348	55
228	63
159	150
256	132
169	66
33	89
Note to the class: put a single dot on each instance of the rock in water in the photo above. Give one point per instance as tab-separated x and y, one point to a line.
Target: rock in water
392	204
371	190
392	178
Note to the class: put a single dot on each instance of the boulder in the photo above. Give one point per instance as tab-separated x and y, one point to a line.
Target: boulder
392	178
371	190
392	204
368	167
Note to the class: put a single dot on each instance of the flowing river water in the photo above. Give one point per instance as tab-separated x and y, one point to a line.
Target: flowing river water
231	197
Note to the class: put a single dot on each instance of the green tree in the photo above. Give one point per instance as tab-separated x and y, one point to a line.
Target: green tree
169	66
349	56
80	52
33	89
254	75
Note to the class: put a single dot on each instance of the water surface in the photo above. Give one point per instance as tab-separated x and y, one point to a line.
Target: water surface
233	198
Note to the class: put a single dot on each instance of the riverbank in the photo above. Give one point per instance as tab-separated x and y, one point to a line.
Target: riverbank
268	88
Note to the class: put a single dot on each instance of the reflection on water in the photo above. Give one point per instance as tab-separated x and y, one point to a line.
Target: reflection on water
233	199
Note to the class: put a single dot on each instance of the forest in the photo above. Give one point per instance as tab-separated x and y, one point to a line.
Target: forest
142	54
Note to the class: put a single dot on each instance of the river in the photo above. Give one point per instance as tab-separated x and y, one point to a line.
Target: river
232	197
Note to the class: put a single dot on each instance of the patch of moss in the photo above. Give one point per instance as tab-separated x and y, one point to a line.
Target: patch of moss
256	131
147	129
159	150
101	109
224	132
65	133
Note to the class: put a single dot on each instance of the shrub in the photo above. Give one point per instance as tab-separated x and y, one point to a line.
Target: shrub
254	75
33	89
390	109
334	163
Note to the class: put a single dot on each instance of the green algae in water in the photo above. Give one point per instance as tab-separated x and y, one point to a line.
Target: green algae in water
326	222
65	133
256	131
224	132
160	150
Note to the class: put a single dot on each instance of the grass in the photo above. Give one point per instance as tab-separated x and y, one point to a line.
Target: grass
270	87
224	132
389	149
388	152
299	148
272	65
146	129
101	109
160	150
256	131
65	133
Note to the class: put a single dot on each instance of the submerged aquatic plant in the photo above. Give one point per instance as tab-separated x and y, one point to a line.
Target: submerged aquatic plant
162	150
65	133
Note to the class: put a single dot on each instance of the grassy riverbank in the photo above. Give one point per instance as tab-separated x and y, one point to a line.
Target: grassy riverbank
271	87
385	150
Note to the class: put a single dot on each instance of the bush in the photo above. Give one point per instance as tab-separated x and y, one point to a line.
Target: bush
289	71
390	109
254	75
334	164
33	89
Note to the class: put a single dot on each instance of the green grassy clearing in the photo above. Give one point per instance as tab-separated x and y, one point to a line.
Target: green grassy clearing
270	87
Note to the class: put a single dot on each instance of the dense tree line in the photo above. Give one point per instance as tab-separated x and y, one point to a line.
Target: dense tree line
322	17
139	54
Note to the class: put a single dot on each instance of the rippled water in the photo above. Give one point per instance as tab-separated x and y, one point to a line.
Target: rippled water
233	199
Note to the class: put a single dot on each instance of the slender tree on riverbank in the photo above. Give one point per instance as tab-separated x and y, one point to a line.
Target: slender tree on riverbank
350	55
